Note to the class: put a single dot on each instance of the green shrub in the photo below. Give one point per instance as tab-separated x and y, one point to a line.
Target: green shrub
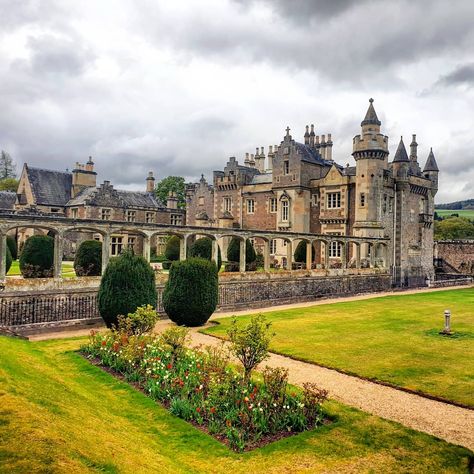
88	260
233	251
260	260
37	257
128	283
190	295
300	252
203	248
11	242
143	320
8	260
172	248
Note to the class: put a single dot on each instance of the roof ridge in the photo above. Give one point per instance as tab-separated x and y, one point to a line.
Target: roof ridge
47	169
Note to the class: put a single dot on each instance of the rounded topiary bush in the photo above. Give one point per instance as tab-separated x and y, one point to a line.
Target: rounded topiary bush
172	248
37	257
11	242
233	252
128	283
203	248
190	295
8	260
300	252
88	259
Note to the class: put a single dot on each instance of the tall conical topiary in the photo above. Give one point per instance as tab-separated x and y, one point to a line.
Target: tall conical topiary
172	248
11	242
8	260
203	248
128	282
37	257
191	292
88	259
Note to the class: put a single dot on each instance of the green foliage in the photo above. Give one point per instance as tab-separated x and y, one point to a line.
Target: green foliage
9	260
11	242
454	228
300	252
128	283
7	166
175	338
88	259
171	183
37	257
233	251
190	294
9	184
141	321
172	248
249	344
203	248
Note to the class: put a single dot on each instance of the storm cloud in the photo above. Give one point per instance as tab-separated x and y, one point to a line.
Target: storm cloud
178	87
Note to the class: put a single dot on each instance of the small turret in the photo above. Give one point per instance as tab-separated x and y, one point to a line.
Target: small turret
371	122
431	171
401	153
413	149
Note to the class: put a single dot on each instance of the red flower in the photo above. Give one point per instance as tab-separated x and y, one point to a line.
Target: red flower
104	343
228	423
198	410
213	410
169	366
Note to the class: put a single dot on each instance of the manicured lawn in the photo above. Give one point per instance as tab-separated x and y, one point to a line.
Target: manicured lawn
394	339
59	413
467	213
67	269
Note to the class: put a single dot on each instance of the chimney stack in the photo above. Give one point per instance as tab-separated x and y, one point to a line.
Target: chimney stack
306	135
329	148
311	136
83	176
150	182
172	201
323	146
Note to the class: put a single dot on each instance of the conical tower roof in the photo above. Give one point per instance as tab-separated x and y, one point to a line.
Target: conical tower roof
431	164
401	153
371	116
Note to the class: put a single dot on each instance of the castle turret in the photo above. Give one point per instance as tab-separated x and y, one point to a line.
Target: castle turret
401	163
370	150
431	171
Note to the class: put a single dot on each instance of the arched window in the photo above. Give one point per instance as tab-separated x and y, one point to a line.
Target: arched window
285	210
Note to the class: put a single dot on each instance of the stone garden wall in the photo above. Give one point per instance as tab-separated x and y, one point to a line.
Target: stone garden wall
48	302
459	254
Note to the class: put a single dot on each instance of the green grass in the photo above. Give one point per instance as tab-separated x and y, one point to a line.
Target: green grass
59	413
67	269
393	339
467	213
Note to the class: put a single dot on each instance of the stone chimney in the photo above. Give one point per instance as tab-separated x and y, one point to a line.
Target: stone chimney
329	148
311	136
271	154
323	146
150	182
306	135
172	201
83	176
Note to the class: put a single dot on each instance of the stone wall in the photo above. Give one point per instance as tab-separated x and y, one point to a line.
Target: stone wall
58	303
459	254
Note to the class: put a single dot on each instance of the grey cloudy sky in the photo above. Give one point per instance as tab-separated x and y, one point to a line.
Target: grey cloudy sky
178	87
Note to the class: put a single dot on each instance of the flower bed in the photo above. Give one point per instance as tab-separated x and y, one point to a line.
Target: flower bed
202	387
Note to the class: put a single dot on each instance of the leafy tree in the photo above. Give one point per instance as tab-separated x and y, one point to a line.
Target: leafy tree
88	259
9	260
172	248
37	257
7	166
233	251
8	184
11	242
250	343
203	248
171	183
300	252
191	292
128	283
453	228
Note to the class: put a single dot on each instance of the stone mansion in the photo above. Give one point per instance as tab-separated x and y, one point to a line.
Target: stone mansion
298	187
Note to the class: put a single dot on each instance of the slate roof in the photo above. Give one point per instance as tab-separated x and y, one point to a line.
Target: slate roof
371	116
7	200
310	155
431	164
139	199
263	178
50	188
349	171
401	153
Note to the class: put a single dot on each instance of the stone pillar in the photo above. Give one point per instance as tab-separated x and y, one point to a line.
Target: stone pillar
242	256
344	255
58	255
183	247
215	252
357	246
326	254
373	249
266	255
3	257
309	255
146	248
105	251
289	255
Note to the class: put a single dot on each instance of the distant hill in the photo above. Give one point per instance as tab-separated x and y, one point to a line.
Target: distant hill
458	205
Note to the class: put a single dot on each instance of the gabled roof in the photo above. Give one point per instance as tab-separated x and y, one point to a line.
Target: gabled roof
401	153
139	199
310	155
371	116
50	188
431	164
7	200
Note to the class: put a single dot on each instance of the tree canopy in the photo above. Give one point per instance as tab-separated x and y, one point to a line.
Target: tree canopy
8	184
454	228
171	183
7	166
